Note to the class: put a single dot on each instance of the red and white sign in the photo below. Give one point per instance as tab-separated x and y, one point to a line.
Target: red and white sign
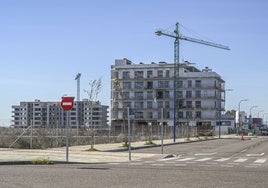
67	103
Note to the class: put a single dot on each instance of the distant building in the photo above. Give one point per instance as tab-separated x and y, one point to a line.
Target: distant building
146	88
50	114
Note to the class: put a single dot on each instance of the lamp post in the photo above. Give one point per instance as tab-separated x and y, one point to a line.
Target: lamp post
238	128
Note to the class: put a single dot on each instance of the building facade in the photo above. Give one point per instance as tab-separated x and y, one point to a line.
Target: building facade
50	114
146	89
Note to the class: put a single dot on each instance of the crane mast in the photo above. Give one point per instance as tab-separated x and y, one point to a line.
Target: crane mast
179	37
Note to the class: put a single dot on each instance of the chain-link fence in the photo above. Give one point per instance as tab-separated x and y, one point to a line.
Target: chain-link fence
56	137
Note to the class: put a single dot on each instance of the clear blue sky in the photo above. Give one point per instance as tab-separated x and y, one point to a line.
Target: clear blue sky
45	43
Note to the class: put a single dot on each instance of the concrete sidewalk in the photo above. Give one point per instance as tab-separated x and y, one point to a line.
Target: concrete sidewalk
107	153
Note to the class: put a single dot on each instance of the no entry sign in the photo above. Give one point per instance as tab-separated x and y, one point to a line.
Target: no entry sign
67	103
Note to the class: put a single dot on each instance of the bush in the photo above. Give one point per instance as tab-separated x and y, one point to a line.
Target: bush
42	162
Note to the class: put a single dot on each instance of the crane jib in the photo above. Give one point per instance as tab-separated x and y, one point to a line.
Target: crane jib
204	42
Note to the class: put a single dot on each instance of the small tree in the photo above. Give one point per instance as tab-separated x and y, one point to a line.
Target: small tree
93	92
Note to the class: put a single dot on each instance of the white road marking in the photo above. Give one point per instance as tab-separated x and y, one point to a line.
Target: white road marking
157	164
185	159
149	161
222	159
135	164
241	160
114	163
260	161
255	155
202	154
204	159
204	165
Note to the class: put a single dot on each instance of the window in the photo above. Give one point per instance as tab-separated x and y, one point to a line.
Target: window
188	104
160	104
166	94
138	105
163	84
180	94
139	95
180	103
150	85
180	114
198	94
190	83
198	83
167	104
160	74
139	115
126	95
167	73
126	74
159	95
138	85
198	104
149	104
180	84
138	74
126	85
188	94
189	114
149	74
198	114
150	95
127	104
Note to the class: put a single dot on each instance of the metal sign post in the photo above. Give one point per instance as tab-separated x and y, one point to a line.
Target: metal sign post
129	136
67	104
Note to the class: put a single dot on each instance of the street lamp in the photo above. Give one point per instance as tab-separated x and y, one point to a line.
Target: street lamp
238	129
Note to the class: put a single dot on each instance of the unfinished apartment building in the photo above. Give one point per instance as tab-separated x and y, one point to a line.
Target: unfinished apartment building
50	114
148	91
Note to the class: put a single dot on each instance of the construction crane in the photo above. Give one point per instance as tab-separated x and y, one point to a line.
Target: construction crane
179	37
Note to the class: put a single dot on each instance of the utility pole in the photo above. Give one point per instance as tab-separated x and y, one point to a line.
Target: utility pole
178	37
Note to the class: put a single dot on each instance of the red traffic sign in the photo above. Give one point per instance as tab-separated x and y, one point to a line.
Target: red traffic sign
67	103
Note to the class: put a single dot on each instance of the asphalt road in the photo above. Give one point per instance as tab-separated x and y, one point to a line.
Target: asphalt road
216	163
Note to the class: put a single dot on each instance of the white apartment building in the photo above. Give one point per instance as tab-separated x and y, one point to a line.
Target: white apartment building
148	88
50	114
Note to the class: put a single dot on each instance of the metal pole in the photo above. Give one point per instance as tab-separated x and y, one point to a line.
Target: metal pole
162	124
129	135
67	137
31	139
